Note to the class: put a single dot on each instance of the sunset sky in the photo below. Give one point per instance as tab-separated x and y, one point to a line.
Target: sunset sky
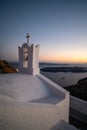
58	26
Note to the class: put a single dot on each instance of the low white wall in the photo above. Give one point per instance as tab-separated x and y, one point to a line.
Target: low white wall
64	104
78	104
78	108
55	87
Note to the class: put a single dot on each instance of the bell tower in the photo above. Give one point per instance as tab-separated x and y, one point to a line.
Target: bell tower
29	58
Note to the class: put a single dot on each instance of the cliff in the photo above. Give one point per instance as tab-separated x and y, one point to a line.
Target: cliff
79	90
6	68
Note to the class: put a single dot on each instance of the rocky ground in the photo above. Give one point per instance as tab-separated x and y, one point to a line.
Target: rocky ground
79	90
6	68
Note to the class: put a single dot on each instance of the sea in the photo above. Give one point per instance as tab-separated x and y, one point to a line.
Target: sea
64	79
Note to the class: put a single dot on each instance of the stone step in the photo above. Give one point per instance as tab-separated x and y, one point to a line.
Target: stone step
62	125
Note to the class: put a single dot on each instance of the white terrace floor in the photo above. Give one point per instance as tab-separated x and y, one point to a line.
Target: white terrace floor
26	88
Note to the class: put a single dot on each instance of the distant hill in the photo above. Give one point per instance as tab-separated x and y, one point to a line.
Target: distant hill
6	68
79	90
65	69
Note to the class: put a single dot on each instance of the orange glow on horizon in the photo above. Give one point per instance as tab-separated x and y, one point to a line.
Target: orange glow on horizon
66	59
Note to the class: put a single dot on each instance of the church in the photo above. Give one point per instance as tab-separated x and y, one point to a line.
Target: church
29	100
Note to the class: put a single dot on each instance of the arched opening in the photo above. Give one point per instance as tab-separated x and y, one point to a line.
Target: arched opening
25	57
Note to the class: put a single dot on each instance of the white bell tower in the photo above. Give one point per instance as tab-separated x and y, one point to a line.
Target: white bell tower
29	58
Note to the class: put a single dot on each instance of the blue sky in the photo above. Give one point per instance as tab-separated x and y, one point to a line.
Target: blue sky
59	26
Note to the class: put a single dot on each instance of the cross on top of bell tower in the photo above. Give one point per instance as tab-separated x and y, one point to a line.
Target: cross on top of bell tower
28	36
